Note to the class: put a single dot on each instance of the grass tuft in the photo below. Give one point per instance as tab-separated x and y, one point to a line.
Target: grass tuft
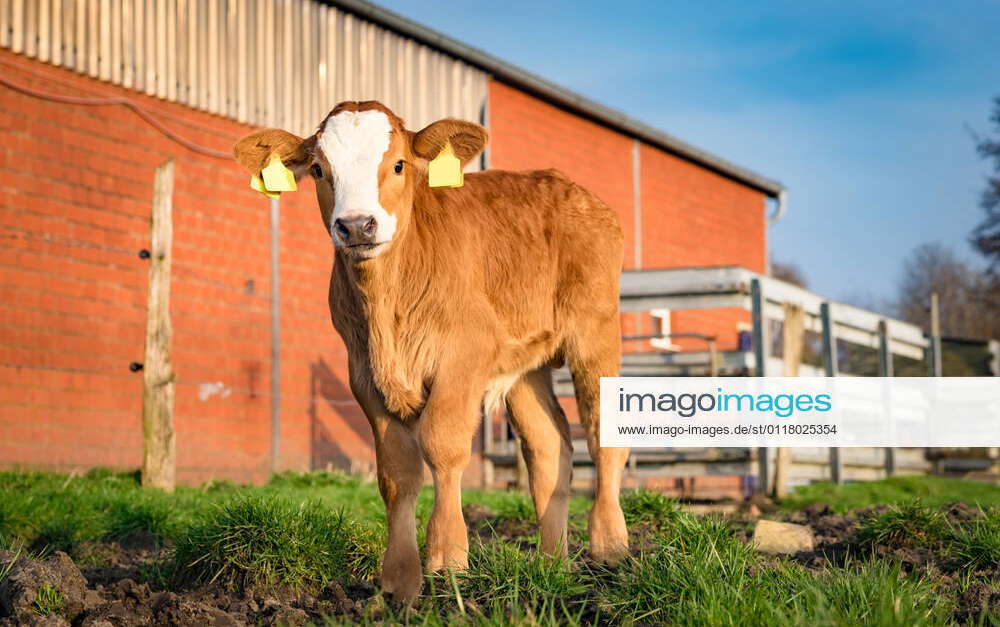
48	600
502	580
649	507
976	545
253	541
910	525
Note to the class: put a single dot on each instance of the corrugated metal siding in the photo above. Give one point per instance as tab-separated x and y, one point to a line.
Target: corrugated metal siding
280	63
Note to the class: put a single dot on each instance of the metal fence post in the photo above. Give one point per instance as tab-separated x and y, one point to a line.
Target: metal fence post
760	368
275	335
885	369
830	367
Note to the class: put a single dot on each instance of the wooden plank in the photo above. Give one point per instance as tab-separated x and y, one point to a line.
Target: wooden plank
191	58
333	36
170	69
104	40
242	67
5	9
305	79
149	39
345	66
31	28
128	43
159	447
257	52
269	66
93	38
58	20
44	29
793	340
227	52
80	36
288	65
115	60
214	78
139	49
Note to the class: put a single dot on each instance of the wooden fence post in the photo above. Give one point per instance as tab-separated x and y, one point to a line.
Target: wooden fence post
159	451
794	327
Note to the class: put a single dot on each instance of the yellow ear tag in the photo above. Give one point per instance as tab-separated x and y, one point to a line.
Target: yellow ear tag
278	178
445	170
257	185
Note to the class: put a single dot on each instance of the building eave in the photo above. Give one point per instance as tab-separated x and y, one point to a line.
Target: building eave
558	95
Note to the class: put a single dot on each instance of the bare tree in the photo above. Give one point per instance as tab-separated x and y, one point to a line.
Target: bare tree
788	272
986	235
966	307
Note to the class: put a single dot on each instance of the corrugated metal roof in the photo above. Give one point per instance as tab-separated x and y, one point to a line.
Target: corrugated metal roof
557	94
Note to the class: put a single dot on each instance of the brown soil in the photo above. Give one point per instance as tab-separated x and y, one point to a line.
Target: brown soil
108	595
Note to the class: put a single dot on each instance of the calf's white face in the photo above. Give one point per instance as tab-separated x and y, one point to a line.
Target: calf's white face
354	144
368	168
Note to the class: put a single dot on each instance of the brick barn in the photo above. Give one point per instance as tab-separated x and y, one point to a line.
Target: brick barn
76	184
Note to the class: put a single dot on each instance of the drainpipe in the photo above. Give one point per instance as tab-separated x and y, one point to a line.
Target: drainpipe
275	336
779	211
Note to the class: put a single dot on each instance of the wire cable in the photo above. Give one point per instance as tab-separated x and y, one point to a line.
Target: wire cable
117	100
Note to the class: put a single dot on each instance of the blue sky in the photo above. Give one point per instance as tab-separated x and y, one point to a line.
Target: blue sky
862	109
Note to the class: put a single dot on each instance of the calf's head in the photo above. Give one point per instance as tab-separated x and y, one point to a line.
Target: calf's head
367	168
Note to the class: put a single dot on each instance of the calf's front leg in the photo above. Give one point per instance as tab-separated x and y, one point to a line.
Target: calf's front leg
447	426
400	475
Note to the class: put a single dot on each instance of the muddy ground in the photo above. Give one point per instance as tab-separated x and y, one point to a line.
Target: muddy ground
119	582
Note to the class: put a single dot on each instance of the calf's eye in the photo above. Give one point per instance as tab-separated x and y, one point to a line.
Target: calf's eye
398	168
316	171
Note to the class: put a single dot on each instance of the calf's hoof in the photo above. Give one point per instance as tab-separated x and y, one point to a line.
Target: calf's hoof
608	535
402	579
447	558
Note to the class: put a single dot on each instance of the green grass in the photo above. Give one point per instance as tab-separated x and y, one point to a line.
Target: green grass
255	541
910	524
301	531
977	545
931	491
48	600
649	508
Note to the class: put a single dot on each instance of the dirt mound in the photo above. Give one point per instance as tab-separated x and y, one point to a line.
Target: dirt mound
35	589
115	601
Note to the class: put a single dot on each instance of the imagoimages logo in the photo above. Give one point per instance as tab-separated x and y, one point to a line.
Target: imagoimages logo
688	405
800	411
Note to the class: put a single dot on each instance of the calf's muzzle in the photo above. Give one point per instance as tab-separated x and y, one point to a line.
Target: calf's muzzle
356	231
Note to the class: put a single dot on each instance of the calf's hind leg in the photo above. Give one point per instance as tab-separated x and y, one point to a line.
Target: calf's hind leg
544	432
595	353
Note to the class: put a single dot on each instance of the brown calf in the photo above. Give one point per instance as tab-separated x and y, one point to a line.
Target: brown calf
446	297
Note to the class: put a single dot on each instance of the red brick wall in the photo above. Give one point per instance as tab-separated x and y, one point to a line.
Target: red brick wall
690	215
75	193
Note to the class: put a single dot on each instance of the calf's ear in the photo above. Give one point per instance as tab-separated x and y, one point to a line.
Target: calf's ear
467	139
254	151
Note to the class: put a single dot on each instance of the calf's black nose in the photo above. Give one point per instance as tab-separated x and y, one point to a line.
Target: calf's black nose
355	231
